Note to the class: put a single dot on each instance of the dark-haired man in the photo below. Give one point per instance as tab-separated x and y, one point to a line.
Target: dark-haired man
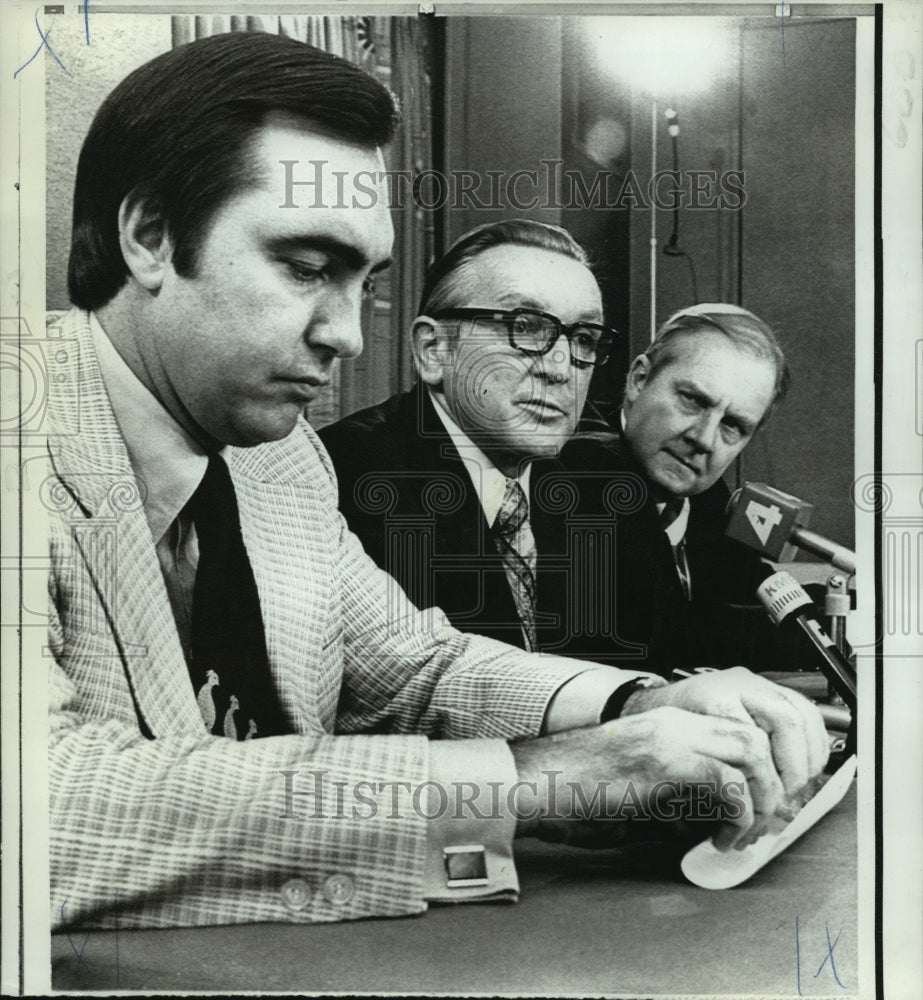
248	723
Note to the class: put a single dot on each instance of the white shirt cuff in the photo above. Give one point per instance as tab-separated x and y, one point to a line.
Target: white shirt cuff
579	702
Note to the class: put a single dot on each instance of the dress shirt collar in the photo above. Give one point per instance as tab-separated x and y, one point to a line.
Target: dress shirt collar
163	455
489	482
676	530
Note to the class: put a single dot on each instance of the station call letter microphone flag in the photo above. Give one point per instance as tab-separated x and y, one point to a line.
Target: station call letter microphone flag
790	607
775	524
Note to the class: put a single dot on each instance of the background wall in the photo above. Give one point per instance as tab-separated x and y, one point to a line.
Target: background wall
502	107
798	254
785	120
529	119
119	45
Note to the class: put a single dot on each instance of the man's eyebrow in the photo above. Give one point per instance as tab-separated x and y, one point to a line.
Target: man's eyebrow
349	254
591	315
514	300
744	423
695	390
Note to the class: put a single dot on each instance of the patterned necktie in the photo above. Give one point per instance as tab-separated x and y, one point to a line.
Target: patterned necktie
671	511
513	536
229	665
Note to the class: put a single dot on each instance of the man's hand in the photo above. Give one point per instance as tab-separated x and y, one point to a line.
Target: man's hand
590	786
797	737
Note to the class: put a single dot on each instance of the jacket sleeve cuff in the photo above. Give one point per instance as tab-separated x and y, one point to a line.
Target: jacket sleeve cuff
470	827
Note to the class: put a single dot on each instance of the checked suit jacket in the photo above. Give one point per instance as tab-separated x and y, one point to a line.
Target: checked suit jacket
188	828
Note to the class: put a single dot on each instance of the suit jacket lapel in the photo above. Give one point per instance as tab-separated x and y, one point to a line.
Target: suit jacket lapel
462	532
461	529
110	530
286	546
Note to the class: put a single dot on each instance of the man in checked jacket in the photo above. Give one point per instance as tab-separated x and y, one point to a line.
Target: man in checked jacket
246	723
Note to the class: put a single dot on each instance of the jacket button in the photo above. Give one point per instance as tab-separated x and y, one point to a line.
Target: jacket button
338	889
296	894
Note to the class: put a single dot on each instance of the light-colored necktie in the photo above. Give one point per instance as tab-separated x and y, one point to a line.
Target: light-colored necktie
516	545
668	515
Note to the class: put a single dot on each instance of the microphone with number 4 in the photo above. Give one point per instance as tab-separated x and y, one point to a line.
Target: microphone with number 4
775	524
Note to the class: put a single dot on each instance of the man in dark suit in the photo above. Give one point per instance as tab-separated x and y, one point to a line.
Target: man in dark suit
693	401
426	478
423	474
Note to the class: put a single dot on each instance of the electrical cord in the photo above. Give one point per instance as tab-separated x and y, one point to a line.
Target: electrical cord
672	247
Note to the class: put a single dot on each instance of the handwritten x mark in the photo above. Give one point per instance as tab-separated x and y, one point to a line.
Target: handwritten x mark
829	956
42	45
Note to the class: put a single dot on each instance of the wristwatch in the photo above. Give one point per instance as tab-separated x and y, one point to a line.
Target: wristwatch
613	707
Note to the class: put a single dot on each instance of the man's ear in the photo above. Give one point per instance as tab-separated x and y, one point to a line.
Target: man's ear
637	375
431	350
144	243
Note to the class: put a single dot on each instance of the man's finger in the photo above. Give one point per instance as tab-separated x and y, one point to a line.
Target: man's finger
738	820
745	747
818	742
797	735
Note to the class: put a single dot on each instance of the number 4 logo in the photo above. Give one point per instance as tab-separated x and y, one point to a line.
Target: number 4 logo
763	519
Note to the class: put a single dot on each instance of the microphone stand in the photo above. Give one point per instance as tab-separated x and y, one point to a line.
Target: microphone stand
782	595
836	607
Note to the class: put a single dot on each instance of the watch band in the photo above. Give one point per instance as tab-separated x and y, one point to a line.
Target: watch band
616	702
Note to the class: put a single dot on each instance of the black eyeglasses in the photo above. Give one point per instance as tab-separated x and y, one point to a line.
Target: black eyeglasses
534	332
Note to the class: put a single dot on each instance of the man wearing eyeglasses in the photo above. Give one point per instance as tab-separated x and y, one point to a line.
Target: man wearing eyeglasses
474	492
451	487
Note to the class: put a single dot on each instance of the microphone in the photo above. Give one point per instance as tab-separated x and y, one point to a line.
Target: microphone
775	524
790	608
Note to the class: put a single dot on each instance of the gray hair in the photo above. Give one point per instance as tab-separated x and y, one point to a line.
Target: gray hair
743	328
444	275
